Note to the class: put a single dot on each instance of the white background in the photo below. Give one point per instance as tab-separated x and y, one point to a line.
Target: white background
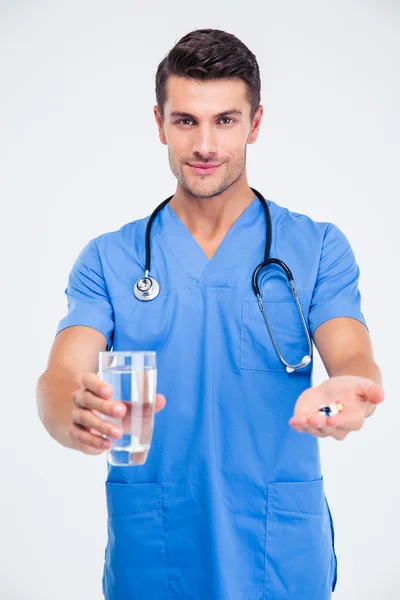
80	156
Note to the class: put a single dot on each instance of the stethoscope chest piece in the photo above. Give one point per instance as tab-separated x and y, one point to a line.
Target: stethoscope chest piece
146	288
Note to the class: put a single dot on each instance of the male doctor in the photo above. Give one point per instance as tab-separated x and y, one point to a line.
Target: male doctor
230	503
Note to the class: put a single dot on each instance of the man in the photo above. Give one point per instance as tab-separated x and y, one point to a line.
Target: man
230	503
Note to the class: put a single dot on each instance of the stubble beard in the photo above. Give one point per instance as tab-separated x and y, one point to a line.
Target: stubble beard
207	189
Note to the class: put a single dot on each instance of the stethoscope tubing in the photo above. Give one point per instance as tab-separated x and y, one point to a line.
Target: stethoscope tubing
147	288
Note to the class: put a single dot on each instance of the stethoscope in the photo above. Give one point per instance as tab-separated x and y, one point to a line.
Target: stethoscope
147	288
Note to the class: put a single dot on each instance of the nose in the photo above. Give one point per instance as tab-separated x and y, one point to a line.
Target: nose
204	142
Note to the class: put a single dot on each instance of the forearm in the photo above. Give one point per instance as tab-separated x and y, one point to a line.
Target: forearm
54	402
361	366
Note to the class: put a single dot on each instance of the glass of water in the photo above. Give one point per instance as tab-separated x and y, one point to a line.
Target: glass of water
133	377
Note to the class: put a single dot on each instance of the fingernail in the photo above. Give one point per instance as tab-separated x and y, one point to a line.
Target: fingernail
118	411
105	390
115	432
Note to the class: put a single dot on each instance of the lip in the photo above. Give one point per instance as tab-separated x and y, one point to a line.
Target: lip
202	169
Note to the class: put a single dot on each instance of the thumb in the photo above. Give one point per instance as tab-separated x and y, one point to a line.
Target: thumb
374	394
160	402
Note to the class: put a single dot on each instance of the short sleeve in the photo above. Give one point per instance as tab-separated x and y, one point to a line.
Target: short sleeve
336	292
88	301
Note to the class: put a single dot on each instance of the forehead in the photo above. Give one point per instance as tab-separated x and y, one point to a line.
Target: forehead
204	97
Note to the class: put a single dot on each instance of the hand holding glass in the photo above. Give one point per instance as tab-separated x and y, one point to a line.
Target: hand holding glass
133	377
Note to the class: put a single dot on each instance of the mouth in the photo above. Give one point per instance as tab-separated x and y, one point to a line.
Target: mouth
203	169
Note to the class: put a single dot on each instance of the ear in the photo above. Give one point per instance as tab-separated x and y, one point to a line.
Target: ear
160	125
256	125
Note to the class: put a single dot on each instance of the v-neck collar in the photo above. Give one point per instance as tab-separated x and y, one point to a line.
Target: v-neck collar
199	268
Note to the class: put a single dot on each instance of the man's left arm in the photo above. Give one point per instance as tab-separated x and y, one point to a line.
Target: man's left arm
354	380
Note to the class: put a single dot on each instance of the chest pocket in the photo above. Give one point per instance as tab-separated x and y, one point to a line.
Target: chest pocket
143	325
257	351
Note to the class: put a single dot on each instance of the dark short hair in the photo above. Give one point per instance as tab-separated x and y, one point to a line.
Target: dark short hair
207	54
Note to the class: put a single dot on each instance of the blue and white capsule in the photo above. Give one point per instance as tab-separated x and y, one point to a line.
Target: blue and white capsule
332	409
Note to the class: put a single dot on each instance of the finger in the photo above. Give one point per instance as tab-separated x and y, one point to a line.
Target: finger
328	430
146	416
335	427
86	399
81	437
85	418
317	431
97	386
302	425
312	430
139	458
351	419
90	450
316	424
298	421
142	416
318	420
323	431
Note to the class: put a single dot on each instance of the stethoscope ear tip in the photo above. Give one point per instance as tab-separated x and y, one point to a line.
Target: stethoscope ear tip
306	360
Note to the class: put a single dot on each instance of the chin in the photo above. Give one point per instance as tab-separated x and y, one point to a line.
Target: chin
204	189
203	192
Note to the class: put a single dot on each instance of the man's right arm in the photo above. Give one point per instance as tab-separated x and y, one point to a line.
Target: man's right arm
73	355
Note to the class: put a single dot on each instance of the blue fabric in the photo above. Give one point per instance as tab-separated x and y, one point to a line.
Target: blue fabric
88	300
230	503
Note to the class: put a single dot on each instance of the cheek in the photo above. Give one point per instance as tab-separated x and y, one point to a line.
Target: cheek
233	146
174	155
237	156
175	143
180	152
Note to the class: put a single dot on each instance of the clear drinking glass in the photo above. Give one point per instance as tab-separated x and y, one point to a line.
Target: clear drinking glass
133	377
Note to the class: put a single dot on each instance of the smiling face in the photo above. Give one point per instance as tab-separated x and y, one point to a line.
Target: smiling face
206	126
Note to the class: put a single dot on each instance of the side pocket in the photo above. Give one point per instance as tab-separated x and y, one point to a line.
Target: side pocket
298	553
135	559
334	581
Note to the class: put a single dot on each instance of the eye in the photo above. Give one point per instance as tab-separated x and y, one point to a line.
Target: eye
184	121
227	119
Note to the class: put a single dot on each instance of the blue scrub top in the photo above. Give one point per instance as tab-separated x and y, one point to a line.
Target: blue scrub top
230	504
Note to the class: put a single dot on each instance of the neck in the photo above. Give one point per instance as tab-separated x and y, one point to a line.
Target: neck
210	218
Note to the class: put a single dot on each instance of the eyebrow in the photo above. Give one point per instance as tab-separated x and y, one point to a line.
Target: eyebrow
225	113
